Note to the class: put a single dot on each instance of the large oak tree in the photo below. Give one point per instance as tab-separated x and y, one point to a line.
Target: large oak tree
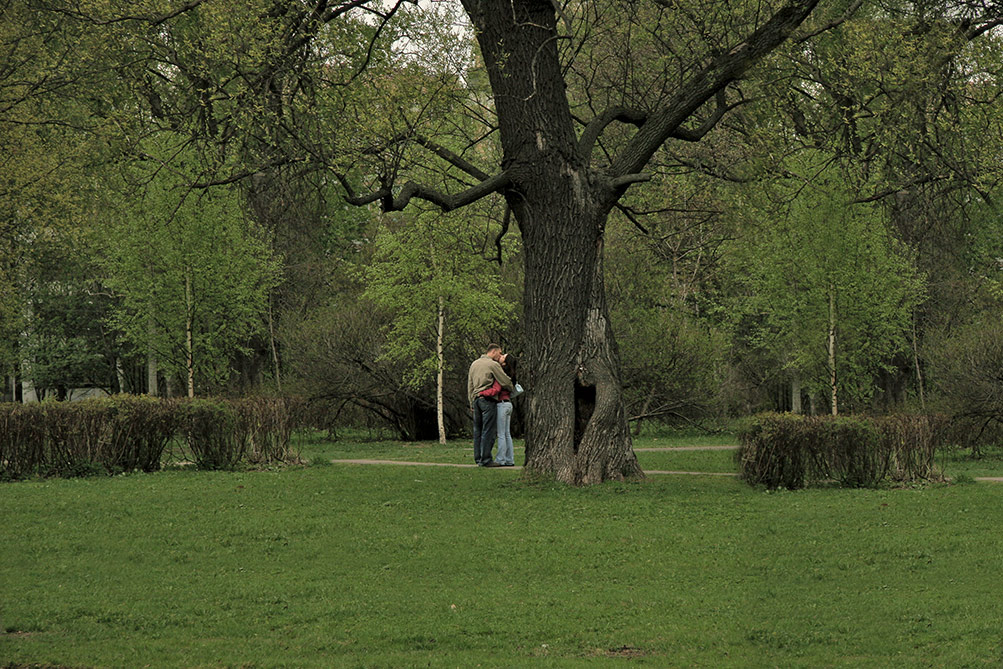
561	190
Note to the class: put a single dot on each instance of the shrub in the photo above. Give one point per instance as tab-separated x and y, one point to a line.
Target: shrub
792	451
126	433
22	439
774	451
140	428
912	442
267	424
211	433
73	437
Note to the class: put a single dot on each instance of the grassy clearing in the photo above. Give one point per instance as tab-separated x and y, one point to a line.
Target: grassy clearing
399	566
315	449
960	462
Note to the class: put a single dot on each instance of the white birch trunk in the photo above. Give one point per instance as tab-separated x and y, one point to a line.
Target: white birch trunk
275	350
919	371
441	362
120	375
832	346
189	338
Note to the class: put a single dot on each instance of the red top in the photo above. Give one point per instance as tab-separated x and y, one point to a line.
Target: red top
497	392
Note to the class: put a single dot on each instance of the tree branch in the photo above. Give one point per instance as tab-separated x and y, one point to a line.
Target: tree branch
709	124
899	188
410	190
596	126
706	83
632	218
504	230
847	15
976	31
152	20
240	176
452	158
628	179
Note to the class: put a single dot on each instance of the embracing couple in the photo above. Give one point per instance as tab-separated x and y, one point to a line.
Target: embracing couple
491	385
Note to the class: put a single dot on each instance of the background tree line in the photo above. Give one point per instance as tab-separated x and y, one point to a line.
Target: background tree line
179	189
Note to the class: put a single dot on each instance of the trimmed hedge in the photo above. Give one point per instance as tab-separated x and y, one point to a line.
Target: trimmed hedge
793	451
127	433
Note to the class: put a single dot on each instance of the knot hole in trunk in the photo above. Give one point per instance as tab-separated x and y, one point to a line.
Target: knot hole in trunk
585	405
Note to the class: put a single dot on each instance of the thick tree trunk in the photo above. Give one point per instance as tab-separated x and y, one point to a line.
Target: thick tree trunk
595	419
576	426
151	374
120	375
602	435
151	360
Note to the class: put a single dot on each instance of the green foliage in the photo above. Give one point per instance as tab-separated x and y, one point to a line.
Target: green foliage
10	318
193	274
422	267
66	341
821	263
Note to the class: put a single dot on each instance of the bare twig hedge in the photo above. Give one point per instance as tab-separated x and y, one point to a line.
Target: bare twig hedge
792	451
127	433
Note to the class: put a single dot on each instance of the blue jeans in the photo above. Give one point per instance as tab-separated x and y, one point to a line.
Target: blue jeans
485	419
505	454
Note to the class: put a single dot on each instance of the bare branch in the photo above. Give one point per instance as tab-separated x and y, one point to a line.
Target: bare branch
709	124
706	83
410	190
240	176
847	15
596	126
385	19
628	179
452	158
900	188
152	20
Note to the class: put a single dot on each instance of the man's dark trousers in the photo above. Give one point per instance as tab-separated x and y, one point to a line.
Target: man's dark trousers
485	429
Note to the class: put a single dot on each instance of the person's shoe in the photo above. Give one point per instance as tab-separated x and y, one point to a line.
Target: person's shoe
508	464
492	464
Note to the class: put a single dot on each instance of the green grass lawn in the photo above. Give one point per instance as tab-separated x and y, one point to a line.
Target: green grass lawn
316	449
382	566
960	461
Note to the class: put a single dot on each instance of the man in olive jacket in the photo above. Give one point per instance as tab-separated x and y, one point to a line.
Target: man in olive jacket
483	373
